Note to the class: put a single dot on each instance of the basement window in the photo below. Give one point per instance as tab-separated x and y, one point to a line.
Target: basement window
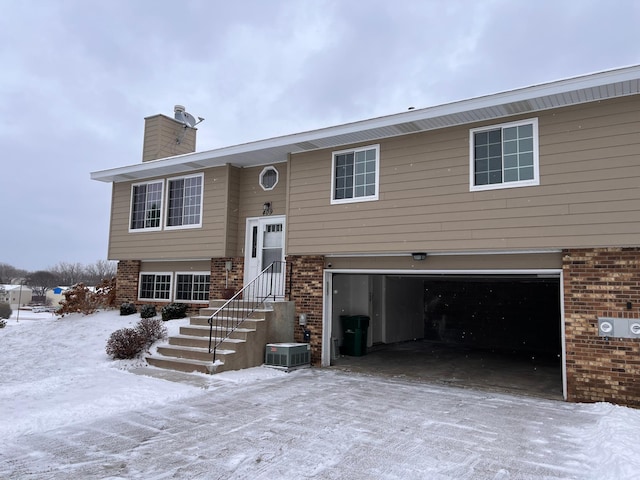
155	286
193	287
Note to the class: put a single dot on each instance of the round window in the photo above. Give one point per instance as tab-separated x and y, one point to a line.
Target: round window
268	178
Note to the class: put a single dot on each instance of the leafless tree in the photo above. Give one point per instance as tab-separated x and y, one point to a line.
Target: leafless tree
8	273
99	271
69	273
40	282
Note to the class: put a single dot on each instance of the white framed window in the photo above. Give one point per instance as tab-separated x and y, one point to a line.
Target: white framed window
154	286
184	202
193	286
355	175
269	178
504	155
146	206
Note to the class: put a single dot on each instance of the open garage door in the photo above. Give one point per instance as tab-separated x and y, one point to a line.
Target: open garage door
499	331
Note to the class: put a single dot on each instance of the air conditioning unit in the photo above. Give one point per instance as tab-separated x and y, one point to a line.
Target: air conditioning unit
287	354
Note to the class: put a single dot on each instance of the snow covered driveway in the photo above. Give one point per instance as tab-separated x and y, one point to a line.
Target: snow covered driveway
69	412
323	424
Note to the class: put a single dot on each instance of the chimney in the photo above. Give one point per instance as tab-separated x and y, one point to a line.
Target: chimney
165	136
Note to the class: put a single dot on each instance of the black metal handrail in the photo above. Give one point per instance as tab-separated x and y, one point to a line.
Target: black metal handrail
270	283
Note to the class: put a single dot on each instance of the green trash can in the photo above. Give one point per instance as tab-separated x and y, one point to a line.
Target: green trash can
354	334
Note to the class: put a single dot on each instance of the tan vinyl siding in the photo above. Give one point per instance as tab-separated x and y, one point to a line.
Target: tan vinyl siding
186	266
252	198
589	192
233	211
528	261
188	243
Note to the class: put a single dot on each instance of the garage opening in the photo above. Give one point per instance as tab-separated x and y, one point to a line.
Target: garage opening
500	332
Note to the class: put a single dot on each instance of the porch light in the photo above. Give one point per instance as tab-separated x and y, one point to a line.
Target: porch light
266	208
419	256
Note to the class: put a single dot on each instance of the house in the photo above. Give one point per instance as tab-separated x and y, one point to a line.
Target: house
55	295
15	295
508	221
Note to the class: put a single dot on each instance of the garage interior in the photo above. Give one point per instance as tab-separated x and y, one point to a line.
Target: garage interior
496	332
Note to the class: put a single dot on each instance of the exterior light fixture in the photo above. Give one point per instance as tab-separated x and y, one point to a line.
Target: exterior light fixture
419	255
267	209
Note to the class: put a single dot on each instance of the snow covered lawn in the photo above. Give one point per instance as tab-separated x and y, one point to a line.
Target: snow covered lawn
68	411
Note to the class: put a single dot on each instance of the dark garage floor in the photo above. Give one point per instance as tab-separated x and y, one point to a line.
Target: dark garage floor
460	366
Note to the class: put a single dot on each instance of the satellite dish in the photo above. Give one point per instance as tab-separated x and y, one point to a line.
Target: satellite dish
188	119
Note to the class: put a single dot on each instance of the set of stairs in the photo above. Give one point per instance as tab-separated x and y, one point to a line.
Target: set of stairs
189	351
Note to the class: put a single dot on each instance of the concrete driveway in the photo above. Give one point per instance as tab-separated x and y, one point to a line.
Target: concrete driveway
325	424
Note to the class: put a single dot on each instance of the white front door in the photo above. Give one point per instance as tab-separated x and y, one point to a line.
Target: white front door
264	245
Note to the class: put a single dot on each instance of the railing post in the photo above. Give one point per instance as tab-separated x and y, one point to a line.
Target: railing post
251	296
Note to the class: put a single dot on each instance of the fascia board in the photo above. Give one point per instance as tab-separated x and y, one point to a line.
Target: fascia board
279	147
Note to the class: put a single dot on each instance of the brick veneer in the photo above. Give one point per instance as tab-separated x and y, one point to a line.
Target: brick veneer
306	292
128	274
127	281
219	281
600	283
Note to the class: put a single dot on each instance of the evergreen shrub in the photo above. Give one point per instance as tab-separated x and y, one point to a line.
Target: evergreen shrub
174	310
148	311
127	308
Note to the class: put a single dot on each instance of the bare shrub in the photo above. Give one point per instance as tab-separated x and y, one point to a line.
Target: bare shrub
152	330
125	343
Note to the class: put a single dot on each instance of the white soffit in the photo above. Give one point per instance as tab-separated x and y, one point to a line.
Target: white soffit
583	89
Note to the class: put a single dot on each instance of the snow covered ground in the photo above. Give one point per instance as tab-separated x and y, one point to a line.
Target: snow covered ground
68	411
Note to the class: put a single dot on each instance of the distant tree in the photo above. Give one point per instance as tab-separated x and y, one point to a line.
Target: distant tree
8	273
40	282
68	273
99	271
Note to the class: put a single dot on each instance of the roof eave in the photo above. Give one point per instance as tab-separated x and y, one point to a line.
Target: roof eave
572	91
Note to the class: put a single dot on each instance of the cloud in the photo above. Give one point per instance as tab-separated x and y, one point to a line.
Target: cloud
79	77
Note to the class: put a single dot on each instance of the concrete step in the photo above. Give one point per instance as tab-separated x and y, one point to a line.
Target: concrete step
207	312
193	353
189	350
181	364
201	342
204	331
204	321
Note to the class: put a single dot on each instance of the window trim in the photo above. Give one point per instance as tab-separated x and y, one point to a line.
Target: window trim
191	300
167	208
131	203
368	198
263	172
171	286
495	186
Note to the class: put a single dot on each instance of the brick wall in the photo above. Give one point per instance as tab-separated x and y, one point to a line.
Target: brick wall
127	281
219	282
600	283
306	292
128	274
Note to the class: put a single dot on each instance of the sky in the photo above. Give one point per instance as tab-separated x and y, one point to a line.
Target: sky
78	77
76	413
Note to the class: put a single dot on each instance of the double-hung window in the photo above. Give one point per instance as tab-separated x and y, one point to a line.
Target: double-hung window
146	206
193	286
355	175
504	156
155	286
184	202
